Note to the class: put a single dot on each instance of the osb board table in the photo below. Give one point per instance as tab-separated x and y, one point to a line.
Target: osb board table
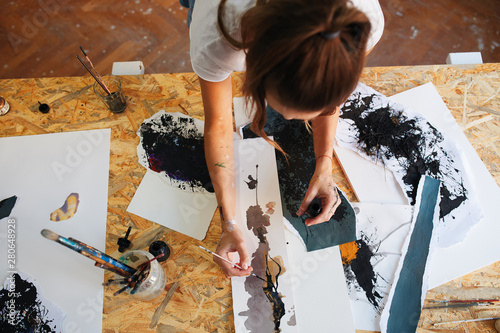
202	298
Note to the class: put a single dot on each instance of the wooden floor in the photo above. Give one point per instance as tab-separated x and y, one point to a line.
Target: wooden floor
41	38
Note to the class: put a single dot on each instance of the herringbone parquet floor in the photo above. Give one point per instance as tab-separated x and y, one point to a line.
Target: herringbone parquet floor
41	38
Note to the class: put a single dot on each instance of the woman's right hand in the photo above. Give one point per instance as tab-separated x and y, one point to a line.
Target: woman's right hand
230	242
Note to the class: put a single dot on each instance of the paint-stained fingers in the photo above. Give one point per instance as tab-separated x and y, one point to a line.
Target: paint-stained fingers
330	205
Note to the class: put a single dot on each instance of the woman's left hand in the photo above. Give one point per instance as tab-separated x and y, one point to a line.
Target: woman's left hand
321	186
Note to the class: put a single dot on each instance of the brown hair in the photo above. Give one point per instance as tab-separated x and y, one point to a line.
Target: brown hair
289	53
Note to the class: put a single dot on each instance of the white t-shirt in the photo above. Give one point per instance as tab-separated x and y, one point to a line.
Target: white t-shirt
214	59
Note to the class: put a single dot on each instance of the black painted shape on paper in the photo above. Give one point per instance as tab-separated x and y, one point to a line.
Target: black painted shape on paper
6	206
294	178
364	273
29	314
174	145
388	133
273	295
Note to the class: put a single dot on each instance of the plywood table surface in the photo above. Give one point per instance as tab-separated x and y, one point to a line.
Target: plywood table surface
202	299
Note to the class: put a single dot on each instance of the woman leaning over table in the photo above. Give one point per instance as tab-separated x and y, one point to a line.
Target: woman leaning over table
303	58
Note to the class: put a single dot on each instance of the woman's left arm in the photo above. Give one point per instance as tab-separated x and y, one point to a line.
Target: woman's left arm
322	184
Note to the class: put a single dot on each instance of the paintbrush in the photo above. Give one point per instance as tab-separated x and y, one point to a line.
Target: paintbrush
103	86
92	65
465	321
233	264
457	305
90	252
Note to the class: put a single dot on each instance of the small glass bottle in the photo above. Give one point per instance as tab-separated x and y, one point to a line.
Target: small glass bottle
4	106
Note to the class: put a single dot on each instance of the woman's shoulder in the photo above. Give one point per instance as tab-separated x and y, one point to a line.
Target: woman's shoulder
373	11
212	57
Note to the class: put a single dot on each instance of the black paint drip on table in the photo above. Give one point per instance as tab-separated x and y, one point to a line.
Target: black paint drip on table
174	144
262	292
29	314
386	133
294	176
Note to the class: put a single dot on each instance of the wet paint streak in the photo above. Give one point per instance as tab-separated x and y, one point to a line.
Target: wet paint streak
174	145
29	315
262	318
386	134
6	206
68	209
294	176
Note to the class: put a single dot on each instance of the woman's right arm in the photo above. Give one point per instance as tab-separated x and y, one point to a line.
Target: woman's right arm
217	102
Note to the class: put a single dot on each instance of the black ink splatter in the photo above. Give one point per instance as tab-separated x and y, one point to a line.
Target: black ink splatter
252	182
29	314
174	145
6	206
257	314
389	134
294	176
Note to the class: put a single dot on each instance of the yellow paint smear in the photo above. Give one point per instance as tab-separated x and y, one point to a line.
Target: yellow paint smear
348	251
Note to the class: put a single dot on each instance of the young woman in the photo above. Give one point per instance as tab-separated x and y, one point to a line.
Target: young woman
303	58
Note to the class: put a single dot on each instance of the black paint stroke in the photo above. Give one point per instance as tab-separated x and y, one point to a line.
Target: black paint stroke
386	133
174	145
294	176
30	314
258	315
6	206
361	270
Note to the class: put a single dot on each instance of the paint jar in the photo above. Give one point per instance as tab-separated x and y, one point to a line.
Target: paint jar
154	283
113	97
4	106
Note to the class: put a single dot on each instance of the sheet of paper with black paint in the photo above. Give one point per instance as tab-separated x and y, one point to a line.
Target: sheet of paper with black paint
260	306
172	145
371	261
42	170
407	144
176	190
482	238
23	307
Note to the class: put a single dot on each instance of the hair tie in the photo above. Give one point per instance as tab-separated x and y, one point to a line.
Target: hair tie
329	35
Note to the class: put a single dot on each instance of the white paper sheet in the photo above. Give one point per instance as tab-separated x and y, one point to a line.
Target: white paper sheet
383	227
481	247
262	168
321	301
184	212
481	238
42	170
414	146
